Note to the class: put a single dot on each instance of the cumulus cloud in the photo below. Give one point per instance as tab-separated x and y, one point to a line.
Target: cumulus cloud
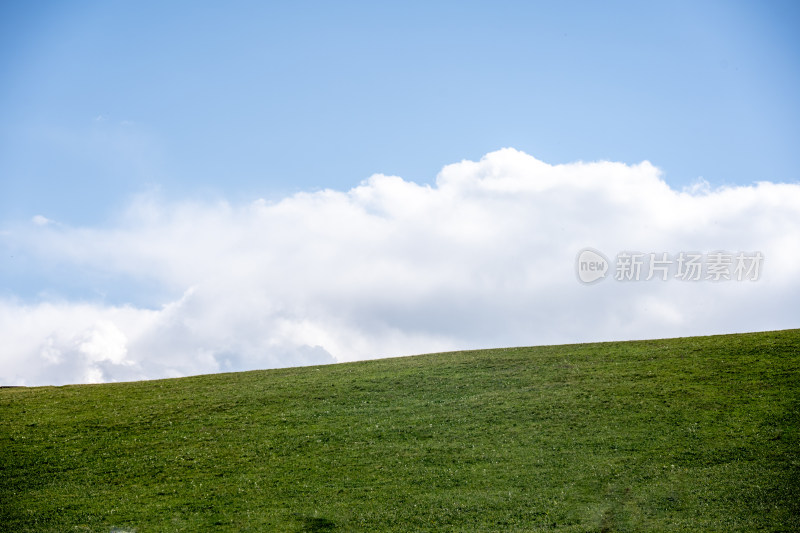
39	220
484	258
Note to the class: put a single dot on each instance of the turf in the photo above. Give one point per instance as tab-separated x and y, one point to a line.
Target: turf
693	434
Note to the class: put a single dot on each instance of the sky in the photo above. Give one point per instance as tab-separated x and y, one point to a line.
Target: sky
195	187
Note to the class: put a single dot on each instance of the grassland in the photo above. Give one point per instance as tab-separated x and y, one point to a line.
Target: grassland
694	434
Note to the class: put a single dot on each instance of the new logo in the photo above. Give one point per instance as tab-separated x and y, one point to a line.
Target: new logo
591	265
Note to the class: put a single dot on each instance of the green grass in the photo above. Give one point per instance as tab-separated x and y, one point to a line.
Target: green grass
695	434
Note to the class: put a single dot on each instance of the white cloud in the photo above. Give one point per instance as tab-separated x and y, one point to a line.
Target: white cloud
484	258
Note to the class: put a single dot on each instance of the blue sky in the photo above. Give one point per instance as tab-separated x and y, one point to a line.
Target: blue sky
102	100
194	187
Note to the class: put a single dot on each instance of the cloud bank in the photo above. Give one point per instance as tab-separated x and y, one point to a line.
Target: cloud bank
484	258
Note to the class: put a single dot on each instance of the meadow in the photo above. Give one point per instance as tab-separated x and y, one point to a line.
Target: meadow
690	434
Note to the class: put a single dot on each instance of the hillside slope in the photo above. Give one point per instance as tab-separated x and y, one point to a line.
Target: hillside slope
673	435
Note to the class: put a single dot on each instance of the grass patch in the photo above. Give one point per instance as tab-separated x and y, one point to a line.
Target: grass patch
674	435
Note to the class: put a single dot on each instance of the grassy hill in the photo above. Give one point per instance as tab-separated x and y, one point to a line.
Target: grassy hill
694	434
